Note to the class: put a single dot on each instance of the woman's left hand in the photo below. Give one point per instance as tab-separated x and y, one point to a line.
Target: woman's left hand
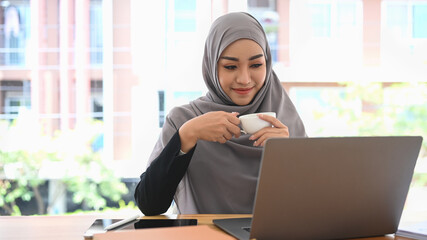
277	130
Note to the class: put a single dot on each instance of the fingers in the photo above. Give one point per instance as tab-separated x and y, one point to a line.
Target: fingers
230	131
232	118
274	121
233	128
262	135
218	126
224	126
227	136
221	140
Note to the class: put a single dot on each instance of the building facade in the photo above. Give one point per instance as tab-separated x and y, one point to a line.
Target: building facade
121	61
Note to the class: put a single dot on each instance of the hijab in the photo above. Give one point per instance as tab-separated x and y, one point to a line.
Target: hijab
222	178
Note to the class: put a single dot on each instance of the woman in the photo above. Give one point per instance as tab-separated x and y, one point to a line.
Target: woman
201	160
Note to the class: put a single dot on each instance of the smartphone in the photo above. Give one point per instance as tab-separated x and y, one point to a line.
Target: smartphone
99	225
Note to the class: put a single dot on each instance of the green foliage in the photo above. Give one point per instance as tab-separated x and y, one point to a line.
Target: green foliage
271	29
26	166
95	181
374	109
27	156
420	180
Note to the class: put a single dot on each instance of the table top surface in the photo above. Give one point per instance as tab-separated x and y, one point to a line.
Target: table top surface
73	227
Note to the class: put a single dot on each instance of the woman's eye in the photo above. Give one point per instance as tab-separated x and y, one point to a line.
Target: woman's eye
256	65
231	67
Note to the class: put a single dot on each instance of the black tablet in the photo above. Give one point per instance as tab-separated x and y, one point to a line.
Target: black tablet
99	225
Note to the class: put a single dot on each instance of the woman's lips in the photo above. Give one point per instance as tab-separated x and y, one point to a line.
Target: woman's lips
242	91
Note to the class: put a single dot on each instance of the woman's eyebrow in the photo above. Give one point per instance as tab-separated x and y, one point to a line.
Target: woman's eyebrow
230	58
236	59
256	56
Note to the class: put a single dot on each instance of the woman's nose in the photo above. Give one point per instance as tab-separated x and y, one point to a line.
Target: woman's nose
244	77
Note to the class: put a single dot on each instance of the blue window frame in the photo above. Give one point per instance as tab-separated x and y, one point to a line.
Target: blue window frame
397	18
95	34
321	20
14	33
185	15
419	19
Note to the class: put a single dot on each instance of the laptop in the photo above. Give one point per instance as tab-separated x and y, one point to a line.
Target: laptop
329	188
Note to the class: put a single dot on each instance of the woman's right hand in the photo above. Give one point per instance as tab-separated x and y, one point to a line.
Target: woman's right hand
212	126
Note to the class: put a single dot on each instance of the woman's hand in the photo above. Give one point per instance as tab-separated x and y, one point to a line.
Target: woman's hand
277	130
212	126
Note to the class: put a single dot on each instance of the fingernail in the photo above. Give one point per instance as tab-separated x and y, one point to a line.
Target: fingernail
255	144
251	137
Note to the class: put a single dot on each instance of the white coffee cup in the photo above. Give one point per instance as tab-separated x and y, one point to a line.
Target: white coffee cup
251	123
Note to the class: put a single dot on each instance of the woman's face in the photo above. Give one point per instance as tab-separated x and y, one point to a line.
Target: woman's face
242	70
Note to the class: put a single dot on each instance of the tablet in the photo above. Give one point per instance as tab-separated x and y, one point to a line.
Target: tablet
99	225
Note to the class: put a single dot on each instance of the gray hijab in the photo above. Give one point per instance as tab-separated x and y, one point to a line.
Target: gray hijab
222	178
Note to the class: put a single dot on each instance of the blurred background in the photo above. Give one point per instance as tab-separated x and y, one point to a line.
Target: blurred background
85	85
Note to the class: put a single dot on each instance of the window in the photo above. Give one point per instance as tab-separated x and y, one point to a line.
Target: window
185	15
397	19
14	95
346	18
335	19
404	31
322	117
14	32
419	21
321	20
114	108
265	11
185	97
406	19
95	32
162	113
260	3
96	98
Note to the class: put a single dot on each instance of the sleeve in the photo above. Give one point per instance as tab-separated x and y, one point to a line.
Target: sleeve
157	186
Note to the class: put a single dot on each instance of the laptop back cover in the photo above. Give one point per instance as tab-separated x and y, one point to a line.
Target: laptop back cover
323	188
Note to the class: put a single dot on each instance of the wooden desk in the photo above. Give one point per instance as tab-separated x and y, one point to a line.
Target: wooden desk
73	227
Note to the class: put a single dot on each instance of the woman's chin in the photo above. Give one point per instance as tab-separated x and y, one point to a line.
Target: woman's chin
242	101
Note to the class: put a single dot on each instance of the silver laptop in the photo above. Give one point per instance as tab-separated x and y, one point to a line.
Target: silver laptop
329	188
